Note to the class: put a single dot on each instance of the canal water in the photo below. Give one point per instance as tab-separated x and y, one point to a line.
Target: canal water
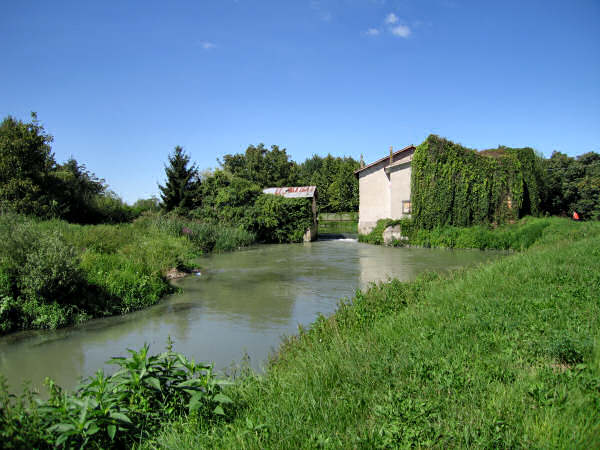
239	307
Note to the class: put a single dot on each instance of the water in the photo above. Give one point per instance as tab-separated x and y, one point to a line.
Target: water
242	303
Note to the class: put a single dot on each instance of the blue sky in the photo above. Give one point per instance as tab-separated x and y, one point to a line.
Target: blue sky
119	84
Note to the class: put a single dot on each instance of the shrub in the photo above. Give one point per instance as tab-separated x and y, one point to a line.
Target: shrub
280	219
51	271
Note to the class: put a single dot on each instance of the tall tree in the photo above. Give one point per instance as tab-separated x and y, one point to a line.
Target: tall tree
182	182
573	184
26	161
267	168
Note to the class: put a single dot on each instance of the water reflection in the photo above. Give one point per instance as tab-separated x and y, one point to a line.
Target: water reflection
242	303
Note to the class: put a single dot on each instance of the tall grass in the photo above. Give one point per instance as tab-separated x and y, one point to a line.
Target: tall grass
503	355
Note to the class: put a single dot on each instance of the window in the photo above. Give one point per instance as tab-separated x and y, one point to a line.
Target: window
405	206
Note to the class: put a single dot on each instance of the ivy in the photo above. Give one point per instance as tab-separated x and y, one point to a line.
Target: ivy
454	185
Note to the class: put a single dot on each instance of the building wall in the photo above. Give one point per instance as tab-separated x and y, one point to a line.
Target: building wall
400	177
374	197
381	194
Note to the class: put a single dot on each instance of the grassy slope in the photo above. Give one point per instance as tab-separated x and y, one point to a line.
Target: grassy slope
506	354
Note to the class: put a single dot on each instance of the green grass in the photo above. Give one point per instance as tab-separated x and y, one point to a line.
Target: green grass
506	354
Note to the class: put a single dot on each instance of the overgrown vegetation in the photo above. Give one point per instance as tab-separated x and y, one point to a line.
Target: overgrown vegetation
54	274
453	185
503	355
118	410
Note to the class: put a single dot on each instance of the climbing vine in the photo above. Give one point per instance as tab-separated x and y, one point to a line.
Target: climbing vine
454	185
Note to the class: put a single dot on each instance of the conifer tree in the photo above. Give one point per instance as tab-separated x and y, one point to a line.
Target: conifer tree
182	182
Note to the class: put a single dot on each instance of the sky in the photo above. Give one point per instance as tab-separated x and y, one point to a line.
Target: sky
120	83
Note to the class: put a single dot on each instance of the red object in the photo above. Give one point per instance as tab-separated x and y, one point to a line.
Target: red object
575	215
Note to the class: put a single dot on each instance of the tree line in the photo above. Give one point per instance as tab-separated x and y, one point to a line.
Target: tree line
187	189
32	182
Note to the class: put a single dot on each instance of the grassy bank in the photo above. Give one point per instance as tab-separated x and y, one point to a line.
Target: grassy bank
503	355
53	273
516	236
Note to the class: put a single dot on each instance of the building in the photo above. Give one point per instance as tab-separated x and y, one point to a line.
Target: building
300	192
384	189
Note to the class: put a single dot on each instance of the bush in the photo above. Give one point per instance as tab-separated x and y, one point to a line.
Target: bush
40	277
51	271
280	219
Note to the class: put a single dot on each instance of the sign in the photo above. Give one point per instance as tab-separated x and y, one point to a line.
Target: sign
292	192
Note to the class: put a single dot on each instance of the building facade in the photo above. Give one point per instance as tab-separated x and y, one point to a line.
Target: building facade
384	189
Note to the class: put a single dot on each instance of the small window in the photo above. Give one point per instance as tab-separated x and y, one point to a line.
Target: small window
405	206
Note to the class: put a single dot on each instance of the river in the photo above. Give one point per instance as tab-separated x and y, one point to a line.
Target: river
241	304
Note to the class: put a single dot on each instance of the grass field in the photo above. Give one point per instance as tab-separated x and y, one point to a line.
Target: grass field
503	355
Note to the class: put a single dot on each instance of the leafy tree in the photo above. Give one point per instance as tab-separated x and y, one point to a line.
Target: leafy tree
266	168
182	182
573	184
26	161
146	204
75	189
334	177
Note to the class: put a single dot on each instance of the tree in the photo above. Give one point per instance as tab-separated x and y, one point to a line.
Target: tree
573	184
26	161
267	168
182	182
75	190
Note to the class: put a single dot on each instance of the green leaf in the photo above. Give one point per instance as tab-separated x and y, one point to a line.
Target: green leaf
195	403
222	398
151	381
219	410
61	439
93	429
191	383
62	427
111	430
120	416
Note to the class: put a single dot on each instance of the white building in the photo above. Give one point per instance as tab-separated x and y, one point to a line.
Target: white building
384	189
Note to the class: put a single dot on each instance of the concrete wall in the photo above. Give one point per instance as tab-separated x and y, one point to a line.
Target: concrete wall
400	177
382	188
374	197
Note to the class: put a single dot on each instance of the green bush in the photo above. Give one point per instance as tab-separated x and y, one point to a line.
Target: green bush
40	277
280	219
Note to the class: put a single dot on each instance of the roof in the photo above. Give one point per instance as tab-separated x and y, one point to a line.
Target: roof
397	152
292	192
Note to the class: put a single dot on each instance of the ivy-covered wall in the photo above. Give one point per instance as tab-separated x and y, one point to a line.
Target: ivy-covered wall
454	185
